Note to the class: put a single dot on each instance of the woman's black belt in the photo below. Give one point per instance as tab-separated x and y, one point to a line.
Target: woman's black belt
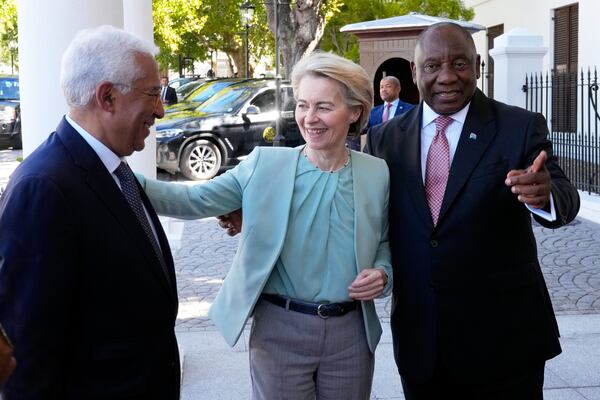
323	310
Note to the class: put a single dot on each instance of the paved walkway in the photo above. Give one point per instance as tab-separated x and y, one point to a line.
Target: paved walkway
8	162
570	259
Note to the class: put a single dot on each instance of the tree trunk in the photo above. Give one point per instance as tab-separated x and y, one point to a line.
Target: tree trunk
238	59
300	30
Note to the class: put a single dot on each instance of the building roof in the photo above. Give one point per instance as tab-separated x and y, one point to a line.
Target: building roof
408	21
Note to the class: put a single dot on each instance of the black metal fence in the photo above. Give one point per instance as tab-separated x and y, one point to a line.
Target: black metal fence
569	102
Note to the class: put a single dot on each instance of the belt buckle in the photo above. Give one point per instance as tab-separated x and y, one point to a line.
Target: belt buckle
319	312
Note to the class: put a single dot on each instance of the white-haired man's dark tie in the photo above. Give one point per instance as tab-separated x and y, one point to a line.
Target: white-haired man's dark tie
132	195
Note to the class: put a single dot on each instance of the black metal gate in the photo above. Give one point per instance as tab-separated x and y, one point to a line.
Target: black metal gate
569	101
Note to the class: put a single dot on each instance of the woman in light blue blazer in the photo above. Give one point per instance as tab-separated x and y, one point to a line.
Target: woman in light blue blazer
313	252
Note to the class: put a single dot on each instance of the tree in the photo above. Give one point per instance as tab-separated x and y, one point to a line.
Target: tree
301	26
192	28
346	44
177	30
8	32
225	32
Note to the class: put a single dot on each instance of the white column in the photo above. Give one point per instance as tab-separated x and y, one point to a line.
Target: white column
516	53
137	19
45	30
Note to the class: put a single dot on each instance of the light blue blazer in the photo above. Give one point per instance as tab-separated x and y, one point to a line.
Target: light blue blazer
262	186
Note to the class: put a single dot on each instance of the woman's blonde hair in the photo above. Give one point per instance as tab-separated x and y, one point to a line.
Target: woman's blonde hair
356	85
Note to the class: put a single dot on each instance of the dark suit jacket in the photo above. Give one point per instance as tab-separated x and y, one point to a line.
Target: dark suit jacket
470	290
170	96
376	116
353	142
82	293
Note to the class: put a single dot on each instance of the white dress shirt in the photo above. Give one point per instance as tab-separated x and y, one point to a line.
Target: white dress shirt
453	135
392	112
109	159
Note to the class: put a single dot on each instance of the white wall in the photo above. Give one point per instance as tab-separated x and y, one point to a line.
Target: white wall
536	17
589	33
45	30
137	19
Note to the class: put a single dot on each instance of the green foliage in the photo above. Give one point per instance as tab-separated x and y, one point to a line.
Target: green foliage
352	11
8	32
177	30
192	28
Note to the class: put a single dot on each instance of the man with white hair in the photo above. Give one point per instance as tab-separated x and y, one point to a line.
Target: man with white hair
87	285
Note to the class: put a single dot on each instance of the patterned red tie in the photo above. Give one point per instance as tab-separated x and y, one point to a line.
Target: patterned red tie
438	167
386	112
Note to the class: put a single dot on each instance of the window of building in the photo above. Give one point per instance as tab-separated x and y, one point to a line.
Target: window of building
564	76
492	33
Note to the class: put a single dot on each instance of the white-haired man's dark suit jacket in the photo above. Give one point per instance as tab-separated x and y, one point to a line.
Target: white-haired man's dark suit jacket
82	293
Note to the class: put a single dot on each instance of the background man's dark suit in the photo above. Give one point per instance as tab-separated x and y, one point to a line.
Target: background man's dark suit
472	286
376	116
77	272
170	96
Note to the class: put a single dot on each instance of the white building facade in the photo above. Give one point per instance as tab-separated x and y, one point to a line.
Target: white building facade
565	88
576	23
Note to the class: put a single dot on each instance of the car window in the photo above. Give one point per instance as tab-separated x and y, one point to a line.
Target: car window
228	100
208	90
265	101
9	89
177	83
184	90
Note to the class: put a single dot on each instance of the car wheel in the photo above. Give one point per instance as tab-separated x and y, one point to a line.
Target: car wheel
200	160
17	143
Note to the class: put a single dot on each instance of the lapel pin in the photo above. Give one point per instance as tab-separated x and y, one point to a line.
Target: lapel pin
472	136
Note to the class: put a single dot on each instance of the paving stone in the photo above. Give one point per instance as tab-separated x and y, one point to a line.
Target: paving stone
569	257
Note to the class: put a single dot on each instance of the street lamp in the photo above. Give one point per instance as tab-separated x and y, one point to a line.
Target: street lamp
12	47
279	139
246	14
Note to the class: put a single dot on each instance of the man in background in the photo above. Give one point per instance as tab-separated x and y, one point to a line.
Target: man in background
168	95
87	284
389	90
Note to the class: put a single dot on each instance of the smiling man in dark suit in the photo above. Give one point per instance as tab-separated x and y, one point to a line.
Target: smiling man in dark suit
471	315
87	285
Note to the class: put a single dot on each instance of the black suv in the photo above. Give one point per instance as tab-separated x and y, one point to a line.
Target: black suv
224	130
10	112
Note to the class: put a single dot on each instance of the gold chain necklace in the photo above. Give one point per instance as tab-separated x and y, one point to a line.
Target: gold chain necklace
305	154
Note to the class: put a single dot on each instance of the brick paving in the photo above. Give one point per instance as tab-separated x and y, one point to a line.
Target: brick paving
8	162
570	258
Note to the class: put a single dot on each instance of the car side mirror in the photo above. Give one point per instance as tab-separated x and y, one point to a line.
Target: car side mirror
252	110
